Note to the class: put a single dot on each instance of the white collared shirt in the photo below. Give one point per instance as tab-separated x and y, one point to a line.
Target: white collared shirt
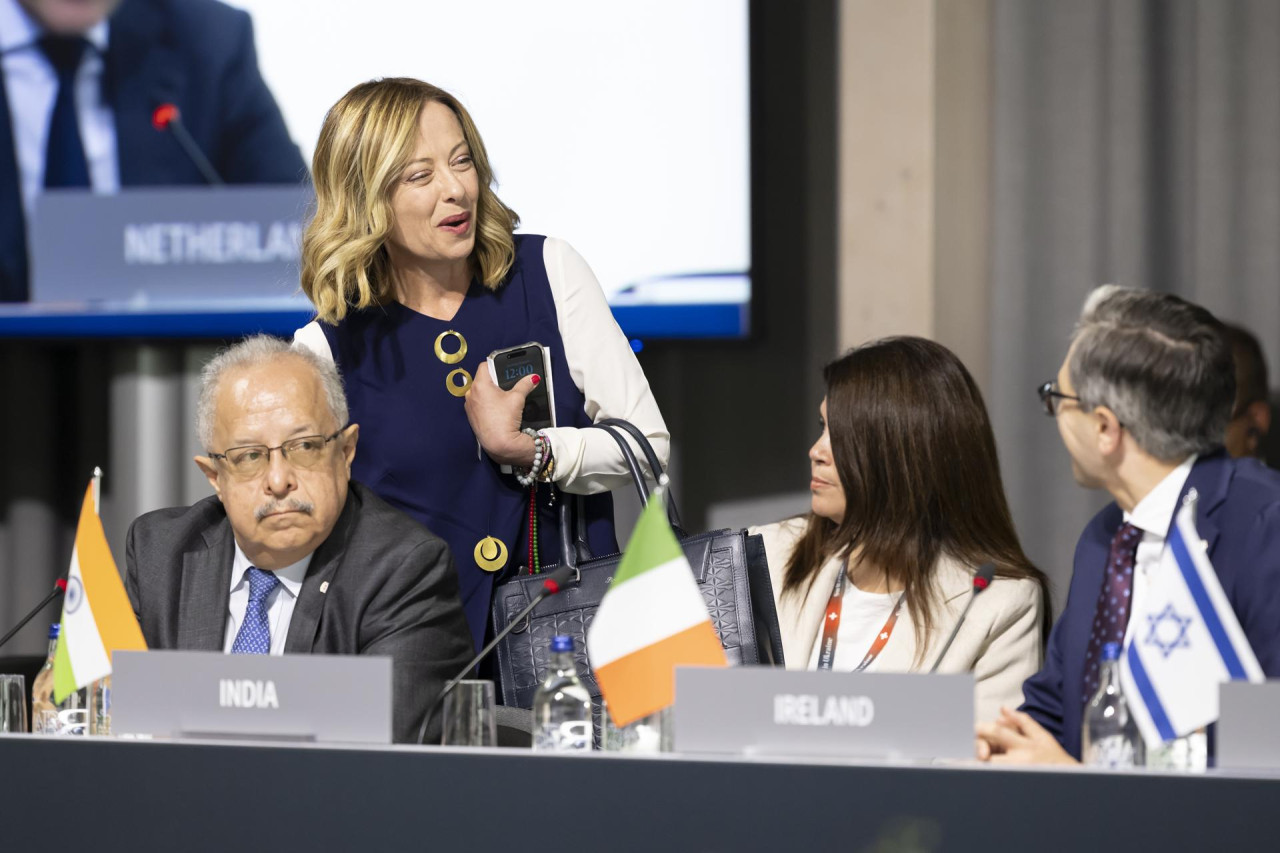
31	85
1153	515
279	602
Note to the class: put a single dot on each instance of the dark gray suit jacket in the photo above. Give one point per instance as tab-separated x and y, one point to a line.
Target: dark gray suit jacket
392	591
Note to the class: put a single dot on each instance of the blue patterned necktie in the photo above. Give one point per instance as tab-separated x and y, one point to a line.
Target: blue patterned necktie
65	164
1111	616
254	636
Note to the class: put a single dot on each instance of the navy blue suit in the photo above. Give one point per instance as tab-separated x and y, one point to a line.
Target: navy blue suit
198	55
1238	515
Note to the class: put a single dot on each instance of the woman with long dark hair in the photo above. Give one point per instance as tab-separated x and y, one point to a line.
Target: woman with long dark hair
907	504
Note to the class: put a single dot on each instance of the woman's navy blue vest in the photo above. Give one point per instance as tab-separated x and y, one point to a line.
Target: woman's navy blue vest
416	448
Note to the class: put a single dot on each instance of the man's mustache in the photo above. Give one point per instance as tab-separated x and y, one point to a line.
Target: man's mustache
291	504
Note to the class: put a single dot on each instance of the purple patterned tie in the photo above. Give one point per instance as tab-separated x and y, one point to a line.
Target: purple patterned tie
1111	616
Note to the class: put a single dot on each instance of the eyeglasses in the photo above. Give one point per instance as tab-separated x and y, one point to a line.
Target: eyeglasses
1048	396
252	459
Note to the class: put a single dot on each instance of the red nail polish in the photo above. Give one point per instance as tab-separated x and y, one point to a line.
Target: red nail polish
536	380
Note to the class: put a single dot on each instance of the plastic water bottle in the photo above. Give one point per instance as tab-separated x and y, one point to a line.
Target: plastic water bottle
43	710
562	705
1110	736
70	716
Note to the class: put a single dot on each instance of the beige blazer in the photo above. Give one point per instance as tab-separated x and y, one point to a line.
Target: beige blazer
999	642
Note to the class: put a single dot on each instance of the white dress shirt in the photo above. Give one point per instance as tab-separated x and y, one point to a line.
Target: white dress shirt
1153	515
279	602
31	85
601	364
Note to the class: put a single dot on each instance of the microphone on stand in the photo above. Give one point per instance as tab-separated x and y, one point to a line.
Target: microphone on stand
59	587
981	580
168	117
550	586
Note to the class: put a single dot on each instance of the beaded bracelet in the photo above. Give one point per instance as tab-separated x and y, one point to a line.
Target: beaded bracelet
541	451
548	466
548	459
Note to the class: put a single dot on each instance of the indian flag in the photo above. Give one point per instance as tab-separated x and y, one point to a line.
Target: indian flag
97	618
651	620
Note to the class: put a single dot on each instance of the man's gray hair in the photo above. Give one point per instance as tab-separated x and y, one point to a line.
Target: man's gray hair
1161	364
253	352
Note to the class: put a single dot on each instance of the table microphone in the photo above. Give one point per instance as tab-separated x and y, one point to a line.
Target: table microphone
168	117
981	580
59	587
551	584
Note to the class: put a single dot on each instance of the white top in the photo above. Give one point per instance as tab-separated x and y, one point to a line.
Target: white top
280	601
31	85
1153	515
862	615
601	364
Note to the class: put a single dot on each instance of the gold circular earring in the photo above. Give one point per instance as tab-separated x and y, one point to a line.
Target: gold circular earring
456	389
451	357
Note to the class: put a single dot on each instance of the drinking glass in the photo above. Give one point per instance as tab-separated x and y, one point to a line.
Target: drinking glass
468	715
651	734
13	704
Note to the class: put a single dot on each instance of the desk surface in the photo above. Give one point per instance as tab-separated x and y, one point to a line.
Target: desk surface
204	795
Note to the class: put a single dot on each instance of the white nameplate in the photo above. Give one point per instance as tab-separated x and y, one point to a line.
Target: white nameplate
1247	734
168	245
335	698
781	712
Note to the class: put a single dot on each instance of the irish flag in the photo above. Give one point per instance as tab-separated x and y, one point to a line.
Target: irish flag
651	620
97	618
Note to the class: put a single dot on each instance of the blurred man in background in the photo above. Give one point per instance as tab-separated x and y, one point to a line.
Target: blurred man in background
1251	416
82	80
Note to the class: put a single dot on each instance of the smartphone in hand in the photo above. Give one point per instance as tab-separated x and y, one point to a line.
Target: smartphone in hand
508	366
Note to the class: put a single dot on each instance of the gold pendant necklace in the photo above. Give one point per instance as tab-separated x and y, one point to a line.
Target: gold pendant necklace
491	554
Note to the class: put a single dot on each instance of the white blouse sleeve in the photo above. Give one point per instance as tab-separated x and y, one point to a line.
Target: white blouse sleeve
605	370
312	337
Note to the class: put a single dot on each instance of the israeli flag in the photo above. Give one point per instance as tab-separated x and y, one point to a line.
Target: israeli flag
1183	642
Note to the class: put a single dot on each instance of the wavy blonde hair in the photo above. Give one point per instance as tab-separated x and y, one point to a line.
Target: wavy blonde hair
367	139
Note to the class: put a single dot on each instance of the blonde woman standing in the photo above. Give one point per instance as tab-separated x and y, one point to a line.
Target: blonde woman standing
416	274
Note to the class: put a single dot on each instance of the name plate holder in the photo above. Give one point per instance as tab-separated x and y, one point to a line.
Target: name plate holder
1247	736
768	711
326	698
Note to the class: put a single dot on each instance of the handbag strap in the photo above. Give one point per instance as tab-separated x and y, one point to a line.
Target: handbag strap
651	456
629	456
574	547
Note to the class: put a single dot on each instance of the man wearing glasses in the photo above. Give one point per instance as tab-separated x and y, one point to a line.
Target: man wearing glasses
1142	402
289	556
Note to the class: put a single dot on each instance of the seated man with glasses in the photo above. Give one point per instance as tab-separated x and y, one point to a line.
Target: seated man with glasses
1142	402
289	555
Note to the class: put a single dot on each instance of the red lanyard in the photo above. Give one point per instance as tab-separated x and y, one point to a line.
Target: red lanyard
831	627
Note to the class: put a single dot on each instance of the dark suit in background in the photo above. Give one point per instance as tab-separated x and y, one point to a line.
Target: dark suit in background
1238	515
198	55
392	590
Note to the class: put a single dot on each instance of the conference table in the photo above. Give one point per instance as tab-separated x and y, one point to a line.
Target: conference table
107	794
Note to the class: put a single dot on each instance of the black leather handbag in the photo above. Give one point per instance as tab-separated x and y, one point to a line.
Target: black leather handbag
729	565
